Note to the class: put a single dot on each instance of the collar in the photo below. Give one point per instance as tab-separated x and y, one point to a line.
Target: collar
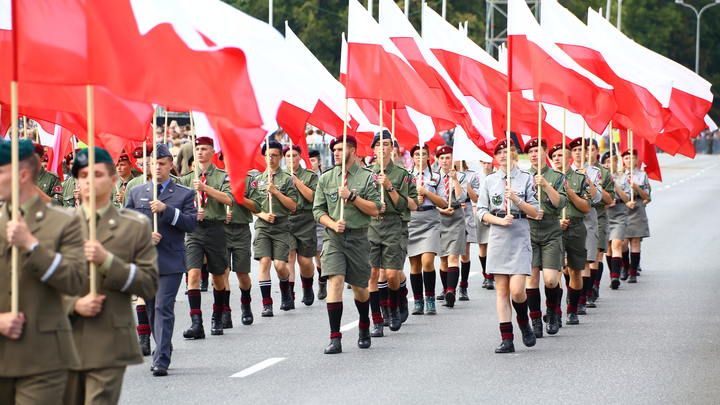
165	183
388	167
25	207
513	172
352	169
100	211
208	171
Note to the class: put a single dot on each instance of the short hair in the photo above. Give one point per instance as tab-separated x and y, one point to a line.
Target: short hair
31	163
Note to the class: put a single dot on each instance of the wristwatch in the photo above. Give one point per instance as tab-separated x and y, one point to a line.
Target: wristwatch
390	189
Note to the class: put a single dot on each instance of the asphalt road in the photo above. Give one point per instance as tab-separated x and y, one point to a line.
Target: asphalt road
653	342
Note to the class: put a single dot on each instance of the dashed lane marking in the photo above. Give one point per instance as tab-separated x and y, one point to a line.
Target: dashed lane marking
257	367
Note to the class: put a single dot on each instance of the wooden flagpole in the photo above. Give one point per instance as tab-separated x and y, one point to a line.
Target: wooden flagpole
381	157
89	95
268	174
196	166
508	160
582	147
610	139
154	165
15	195
564	169
631	169
343	166
145	165
540	151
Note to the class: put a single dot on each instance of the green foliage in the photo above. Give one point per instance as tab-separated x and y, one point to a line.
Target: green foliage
660	25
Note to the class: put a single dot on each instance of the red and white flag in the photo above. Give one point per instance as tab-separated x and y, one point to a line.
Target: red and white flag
536	63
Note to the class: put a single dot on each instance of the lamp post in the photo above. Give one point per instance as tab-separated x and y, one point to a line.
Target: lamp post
698	15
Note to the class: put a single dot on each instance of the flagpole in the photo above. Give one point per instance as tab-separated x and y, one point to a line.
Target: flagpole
632	165
292	162
15	194
165	130
382	155
508	160
582	148
407	8
392	132
196	166
267	173
610	138
145	166
444	9
564	169
154	165
540	150
89	95
343	166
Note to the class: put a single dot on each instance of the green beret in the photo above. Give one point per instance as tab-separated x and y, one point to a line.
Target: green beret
25	150
82	159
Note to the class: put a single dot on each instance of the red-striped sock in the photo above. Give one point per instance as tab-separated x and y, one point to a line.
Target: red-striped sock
634	263
226	303
335	310
453	273
464	274
615	263
363	309
429	279
265	287
574	297
506	330
521	313
143	326
194	301
533	302
416	282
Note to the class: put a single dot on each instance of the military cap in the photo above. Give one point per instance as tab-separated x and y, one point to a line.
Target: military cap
82	159
204	140
271	145
39	149
502	144
314	153
385	135
138	152
124	158
579	141
415	148
627	152
605	156
349	139
25	150
533	143
555	149
163	151
296	148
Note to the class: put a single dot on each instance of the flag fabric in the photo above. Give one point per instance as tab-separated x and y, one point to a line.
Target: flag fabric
535	62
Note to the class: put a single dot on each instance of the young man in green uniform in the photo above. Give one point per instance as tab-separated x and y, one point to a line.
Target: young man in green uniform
546	240
346	249
125	174
303	231
388	233
208	239
277	199
70	192
574	232
48	182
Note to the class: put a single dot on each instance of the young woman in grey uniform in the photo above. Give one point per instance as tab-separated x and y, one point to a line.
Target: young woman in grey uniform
637	222
316	166
617	218
424	238
509	250
471	184
452	223
483	232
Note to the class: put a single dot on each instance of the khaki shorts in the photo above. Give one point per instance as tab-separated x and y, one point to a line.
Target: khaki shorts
238	240
272	240
207	240
346	254
303	234
574	244
388	237
546	240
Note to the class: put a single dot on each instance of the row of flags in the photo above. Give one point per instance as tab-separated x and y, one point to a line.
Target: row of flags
242	78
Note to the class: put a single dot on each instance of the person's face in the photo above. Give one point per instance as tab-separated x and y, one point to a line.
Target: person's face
533	155
44	164
204	153
385	147
163	168
144	163
123	168
420	155
445	161
592	154
104	183
501	156
576	153
315	163
275	155
292	158
626	161
559	158
606	164
338	153
487	167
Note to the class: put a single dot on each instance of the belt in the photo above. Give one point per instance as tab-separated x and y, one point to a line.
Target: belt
358	230
382	217
426	208
210	222
501	214
455	206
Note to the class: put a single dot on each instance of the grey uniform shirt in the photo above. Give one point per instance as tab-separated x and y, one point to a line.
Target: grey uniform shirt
473	180
491	197
595	176
430	181
442	191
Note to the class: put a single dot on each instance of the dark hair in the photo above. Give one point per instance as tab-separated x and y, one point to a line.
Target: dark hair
314	153
271	145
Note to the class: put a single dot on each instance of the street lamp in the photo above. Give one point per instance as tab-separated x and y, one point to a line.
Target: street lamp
698	14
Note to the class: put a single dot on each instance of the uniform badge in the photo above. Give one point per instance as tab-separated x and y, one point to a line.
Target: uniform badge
332	197
375	176
407	180
57	189
414	180
497	199
253	184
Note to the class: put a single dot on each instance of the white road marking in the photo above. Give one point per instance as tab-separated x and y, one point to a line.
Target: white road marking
257	367
349	326
681	181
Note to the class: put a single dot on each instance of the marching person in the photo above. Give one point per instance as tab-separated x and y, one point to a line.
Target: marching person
594	181
125	174
472	184
574	233
303	230
388	235
345	246
316	167
452	223
617	221
36	343
483	231
238	239
637	226
48	182
207	241
176	212
608	186
423	238
506	209
546	241
272	231
126	262
70	192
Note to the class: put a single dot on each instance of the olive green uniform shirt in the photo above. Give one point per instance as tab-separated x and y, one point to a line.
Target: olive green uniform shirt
217	179
50	184
121	185
310	179
68	192
327	200
240	214
556	179
578	183
400	179
283	182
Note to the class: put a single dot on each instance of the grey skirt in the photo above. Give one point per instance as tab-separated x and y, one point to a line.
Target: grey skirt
637	222
591	240
320	231
617	218
452	233
483	231
423	235
470	224
509	248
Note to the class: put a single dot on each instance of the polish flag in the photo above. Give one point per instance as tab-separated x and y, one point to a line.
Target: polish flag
691	97
536	63
421	58
640	93
377	70
480	78
646	155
